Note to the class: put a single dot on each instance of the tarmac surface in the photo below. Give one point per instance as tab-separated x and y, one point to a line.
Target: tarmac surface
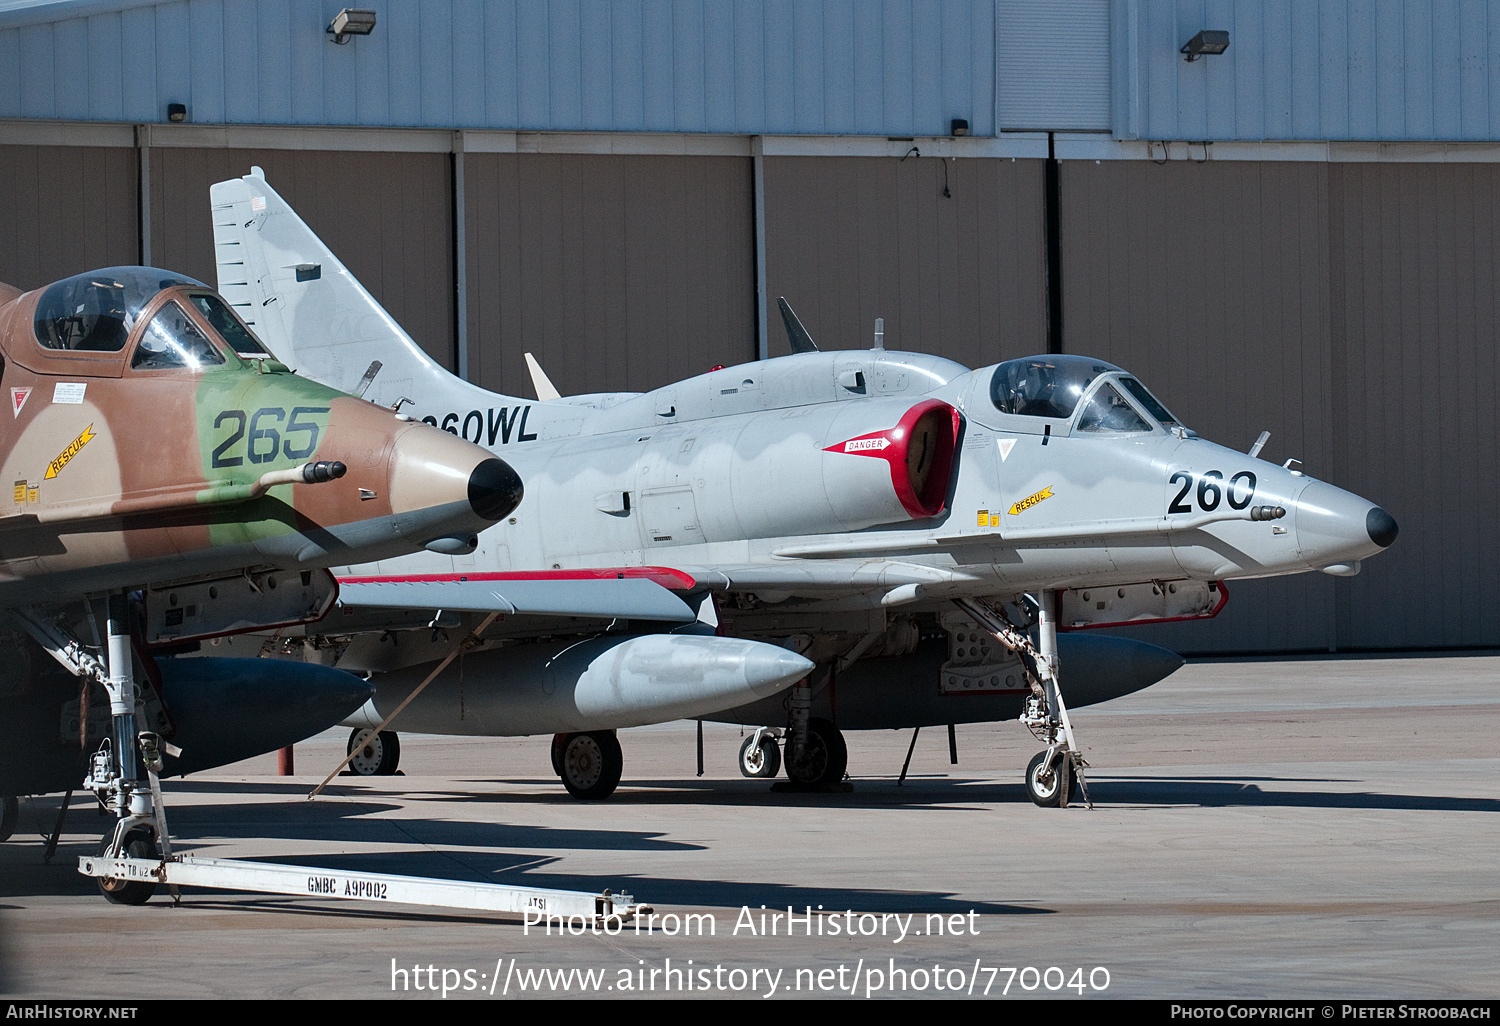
1319	828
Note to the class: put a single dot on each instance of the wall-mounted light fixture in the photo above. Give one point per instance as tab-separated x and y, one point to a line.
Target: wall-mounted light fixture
959	126
176	112
350	22
1206	44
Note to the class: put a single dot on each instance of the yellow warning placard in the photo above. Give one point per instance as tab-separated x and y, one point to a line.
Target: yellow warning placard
73	449
1030	501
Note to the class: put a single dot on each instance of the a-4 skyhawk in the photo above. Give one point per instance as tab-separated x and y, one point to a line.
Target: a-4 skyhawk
168	480
897	518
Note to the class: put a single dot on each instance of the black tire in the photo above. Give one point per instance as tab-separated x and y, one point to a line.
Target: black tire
140	843
590	764
10	811
825	757
558	740
380	754
762	760
1046	793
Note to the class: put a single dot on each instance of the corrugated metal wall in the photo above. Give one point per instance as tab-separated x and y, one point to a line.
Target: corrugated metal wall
741	66
1053	65
855	238
388	216
1331	69
619	272
65	210
1335	69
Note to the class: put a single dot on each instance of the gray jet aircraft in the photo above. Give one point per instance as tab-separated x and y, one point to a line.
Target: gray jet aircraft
900	520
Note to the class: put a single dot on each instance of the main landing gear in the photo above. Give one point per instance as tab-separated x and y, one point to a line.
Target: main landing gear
122	771
589	764
1054	776
375	755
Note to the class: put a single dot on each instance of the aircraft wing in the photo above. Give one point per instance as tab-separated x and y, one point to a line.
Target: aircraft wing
626	593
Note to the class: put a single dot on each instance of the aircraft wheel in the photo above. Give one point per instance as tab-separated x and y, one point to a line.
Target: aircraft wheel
762	760
1045	791
10	811
139	844
378	754
590	764
824	758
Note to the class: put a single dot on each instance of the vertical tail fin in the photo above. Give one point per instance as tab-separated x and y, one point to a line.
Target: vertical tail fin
310	311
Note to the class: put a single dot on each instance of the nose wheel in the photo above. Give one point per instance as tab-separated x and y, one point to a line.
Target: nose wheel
140	843
1045	779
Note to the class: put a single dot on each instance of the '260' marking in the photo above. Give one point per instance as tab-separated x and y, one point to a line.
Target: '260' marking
268	434
1211	490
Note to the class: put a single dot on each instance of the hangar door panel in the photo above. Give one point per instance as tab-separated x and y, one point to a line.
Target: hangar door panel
65	210
850	239
387	216
618	272
1229	327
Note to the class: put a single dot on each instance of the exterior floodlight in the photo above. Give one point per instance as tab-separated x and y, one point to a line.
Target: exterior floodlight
959	126
1206	43
176	112
351	22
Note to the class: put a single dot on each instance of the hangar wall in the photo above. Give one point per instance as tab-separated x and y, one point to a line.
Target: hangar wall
65	209
1349	308
619	272
403	254
1346	306
855	238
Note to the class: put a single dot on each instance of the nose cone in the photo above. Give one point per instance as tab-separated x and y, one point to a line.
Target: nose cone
1336	528
1381	526
494	489
432	468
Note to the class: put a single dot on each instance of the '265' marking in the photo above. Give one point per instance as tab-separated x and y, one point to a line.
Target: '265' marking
268	434
1211	491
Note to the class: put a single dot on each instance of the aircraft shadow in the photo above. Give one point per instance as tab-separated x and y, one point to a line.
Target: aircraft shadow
1221	792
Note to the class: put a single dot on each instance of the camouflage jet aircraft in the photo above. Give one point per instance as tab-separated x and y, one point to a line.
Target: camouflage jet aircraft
172	481
888	515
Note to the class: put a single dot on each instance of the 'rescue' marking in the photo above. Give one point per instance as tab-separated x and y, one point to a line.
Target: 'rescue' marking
487	427
73	449
1030	501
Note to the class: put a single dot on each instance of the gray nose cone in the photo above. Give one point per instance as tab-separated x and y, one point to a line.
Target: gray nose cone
494	489
1382	527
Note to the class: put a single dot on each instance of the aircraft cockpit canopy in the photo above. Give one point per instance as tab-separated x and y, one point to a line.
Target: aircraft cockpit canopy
96	312
1059	387
99	312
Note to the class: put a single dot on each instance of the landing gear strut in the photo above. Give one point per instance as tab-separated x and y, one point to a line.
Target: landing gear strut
1054	775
